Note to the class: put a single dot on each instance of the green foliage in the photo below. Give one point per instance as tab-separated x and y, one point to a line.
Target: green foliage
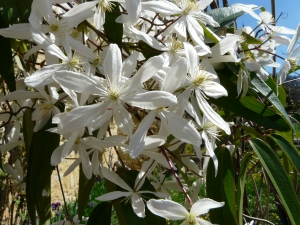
113	30
279	179
39	173
221	188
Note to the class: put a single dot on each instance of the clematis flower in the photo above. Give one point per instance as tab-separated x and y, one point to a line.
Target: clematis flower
133	194
174	211
292	58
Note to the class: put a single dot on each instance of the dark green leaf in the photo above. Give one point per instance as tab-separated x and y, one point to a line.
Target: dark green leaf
241	186
226	15
101	214
290	149
147	50
124	209
222	188
39	170
113	30
12	11
279	179
296	117
7	65
28	126
85	188
267	92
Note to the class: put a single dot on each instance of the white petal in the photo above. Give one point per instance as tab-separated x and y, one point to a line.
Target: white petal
43	76
86	163
138	205
17	31
47	44
161	7
112	64
151	100
113	177
56	155
204	205
157	157
150	67
191	56
113	195
123	119
180	128
167	209
211	114
72	167
137	143
129	64
80	8
134	9
76	82
175	78
19	169
10	146
69	145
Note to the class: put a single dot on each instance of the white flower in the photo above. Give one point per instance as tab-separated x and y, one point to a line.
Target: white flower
174	211
134	195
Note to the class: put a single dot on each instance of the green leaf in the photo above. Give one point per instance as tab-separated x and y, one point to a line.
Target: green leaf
13	12
267	92
226	15
296	117
147	50
101	214
39	171
209	34
222	188
28	126
241	186
7	65
85	188
294	69
124	209
279	179
290	150
113	30
250	40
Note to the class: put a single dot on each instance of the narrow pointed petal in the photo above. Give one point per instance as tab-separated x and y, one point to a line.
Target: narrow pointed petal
86	163
19	169
134	9
191	56
137	142
17	31
167	209
151	100
80	8
180	128
10	146
161	7
72	167
112	64
211	114
56	155
113	195
123	119
113	177
175	78
12	172
76	82
204	205
69	145
138	205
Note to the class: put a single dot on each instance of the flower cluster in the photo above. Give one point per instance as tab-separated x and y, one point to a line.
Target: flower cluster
163	72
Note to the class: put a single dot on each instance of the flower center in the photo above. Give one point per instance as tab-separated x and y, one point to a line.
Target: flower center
199	80
54	27
74	33
47	106
176	45
189	6
106	5
293	61
97	61
114	95
191	219
77	141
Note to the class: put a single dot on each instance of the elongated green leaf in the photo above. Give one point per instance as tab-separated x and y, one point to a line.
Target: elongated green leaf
279	179
290	150
101	214
266	91
209	34
296	117
85	188
241	186
124	209
226	15
28	126
222	189
39	171
113	30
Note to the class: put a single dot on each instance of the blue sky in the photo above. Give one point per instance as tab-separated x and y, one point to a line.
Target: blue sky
289	19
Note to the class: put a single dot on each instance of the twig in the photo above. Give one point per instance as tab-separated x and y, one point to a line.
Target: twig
258	219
